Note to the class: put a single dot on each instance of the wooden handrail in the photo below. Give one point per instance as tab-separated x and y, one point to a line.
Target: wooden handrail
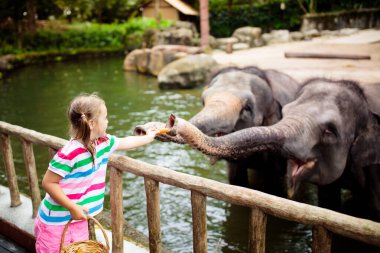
32	136
324	221
360	229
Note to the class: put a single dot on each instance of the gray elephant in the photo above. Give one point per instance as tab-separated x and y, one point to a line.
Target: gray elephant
329	133
239	98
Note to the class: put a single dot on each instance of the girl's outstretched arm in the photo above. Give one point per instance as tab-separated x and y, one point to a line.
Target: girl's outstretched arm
50	183
137	141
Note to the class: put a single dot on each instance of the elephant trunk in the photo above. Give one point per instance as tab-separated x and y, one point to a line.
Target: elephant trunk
170	136
203	118
242	143
216	118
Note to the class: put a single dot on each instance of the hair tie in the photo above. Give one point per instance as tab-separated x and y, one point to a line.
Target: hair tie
83	115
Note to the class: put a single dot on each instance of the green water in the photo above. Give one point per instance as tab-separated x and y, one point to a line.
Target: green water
36	97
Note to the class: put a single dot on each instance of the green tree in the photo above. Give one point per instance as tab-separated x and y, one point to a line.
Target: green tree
79	9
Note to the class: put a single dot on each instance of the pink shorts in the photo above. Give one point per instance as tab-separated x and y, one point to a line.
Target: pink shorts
48	237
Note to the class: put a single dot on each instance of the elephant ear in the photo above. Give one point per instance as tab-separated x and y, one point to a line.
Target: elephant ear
274	115
284	87
364	151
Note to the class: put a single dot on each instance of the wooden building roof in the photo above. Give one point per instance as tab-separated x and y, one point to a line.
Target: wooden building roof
183	7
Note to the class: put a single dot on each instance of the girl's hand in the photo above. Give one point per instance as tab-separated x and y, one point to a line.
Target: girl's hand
137	141
78	212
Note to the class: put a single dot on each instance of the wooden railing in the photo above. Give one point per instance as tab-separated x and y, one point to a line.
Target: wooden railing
324	222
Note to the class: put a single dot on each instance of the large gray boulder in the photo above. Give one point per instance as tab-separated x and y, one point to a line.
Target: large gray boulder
180	33
248	35
152	60
188	72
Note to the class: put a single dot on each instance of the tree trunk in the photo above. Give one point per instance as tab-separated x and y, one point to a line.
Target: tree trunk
313	6
31	15
205	27
157	13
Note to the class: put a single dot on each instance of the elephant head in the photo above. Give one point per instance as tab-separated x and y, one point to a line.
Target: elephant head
328	128
238	98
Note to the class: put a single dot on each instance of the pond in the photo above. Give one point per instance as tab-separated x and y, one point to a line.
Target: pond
36	97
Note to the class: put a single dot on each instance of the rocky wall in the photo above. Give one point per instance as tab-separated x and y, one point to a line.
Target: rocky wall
362	19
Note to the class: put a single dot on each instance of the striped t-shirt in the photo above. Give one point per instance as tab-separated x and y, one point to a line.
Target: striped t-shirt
82	181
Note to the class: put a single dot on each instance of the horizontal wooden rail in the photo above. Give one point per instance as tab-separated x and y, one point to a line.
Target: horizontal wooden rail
360	229
32	136
261	204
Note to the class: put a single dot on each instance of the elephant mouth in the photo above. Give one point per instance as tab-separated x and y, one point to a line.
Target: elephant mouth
296	171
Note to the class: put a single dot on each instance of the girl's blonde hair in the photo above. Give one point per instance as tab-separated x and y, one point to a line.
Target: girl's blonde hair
82	110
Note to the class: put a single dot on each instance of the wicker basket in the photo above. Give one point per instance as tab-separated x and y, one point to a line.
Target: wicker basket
87	246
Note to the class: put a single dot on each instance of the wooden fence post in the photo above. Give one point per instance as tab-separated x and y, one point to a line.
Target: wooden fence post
116	201
10	170
91	229
321	240
152	191
257	230
198	204
30	164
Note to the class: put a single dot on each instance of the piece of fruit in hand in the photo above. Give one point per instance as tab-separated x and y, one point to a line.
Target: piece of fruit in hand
163	130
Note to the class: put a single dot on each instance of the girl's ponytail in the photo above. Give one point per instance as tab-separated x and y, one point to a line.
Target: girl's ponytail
84	134
82	111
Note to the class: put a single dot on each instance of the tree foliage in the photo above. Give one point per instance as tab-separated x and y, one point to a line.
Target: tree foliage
102	11
227	15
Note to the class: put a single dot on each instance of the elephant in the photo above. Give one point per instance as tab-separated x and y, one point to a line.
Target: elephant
238	98
329	134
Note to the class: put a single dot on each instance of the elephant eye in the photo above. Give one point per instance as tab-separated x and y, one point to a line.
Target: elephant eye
330	129
247	108
330	134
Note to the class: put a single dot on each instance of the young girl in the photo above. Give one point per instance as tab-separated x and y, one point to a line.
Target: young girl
75	179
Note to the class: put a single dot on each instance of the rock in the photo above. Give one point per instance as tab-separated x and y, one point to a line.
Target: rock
240	46
311	34
247	35
186	25
329	33
276	36
212	41
177	36
130	60
151	61
188	72
348	31
156	62
5	63
297	36
178	48
223	41
142	60
180	33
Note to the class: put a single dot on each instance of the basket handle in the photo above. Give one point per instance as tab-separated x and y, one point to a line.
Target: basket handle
97	223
